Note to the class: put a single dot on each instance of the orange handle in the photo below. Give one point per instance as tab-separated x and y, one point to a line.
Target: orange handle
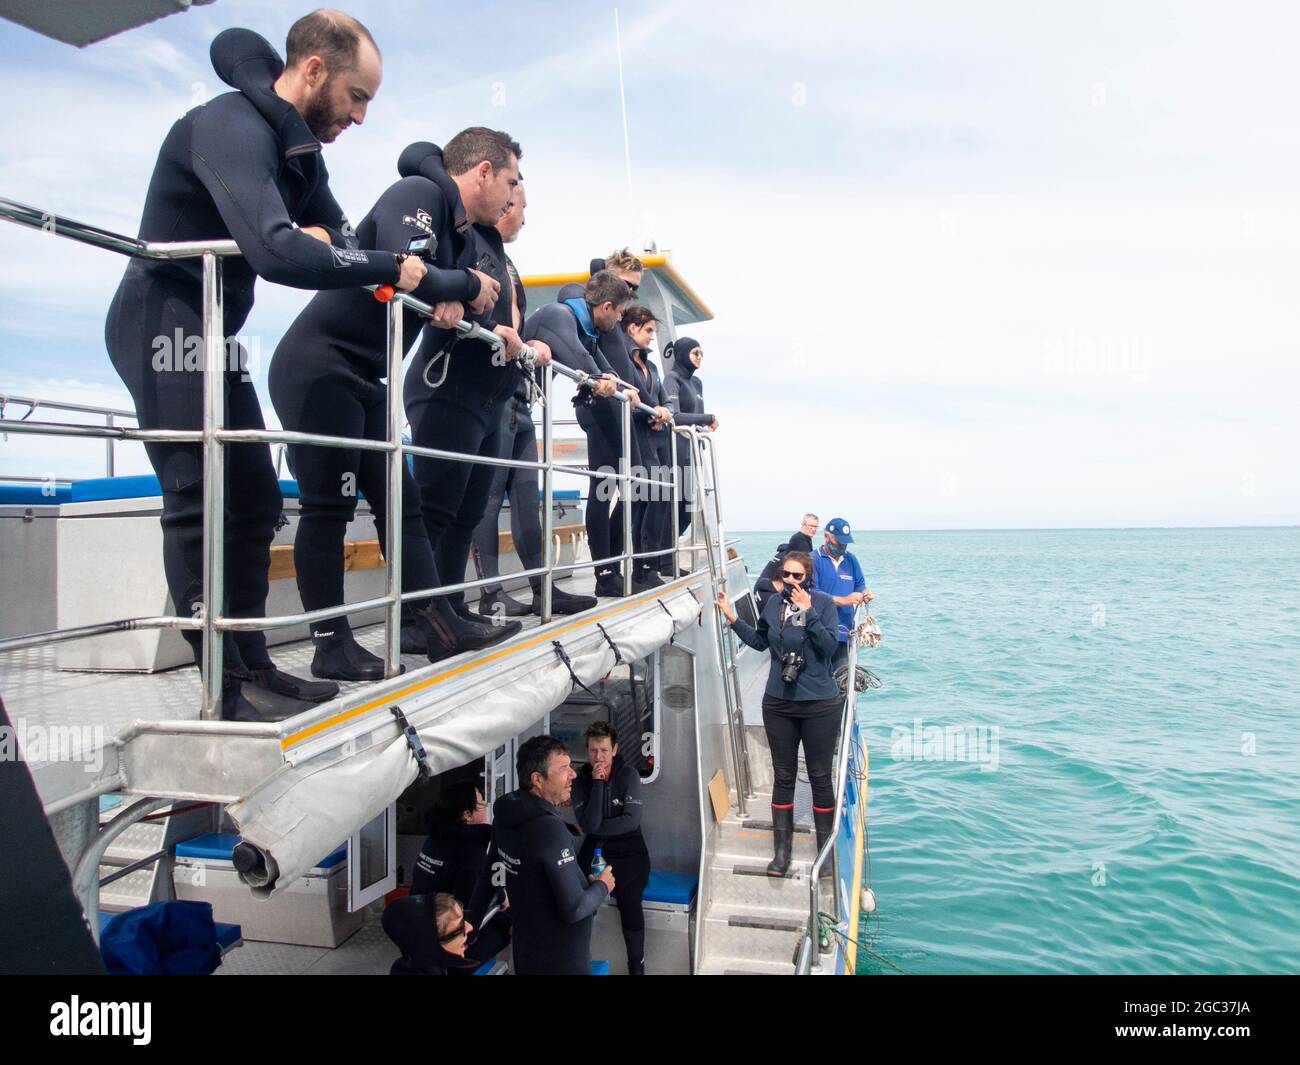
384	293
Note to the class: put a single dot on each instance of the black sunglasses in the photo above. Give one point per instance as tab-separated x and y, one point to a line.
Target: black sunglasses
456	933
791	576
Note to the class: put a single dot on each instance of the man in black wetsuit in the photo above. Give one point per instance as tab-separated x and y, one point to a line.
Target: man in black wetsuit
572	328
246	165
518	440
455	389
552	899
327	377
607	802
686	400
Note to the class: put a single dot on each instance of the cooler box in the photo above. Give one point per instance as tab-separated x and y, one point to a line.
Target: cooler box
313	912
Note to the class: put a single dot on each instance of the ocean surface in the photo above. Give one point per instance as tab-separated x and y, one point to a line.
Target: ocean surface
1116	788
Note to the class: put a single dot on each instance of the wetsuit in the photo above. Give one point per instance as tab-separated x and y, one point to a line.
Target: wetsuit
242	166
686	400
609	812
652	509
411	924
454	392
551	900
574	341
327	377
806	711
454	859
517	436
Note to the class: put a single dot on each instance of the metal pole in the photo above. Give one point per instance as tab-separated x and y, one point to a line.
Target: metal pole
548	492
396	458
676	497
625	490
693	499
85	879
108	444
214	485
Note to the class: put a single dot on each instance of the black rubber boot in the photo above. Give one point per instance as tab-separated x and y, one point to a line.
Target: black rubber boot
824	822
346	660
645	579
563	602
282	683
242	699
498	604
446	633
783	840
635	942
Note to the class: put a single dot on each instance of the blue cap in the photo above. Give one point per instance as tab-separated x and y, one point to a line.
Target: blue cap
839	528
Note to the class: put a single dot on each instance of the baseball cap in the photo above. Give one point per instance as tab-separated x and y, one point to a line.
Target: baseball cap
839	528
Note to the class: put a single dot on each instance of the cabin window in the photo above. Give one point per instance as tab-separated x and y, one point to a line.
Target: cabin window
628	699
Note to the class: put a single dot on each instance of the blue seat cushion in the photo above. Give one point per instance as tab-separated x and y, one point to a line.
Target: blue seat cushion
228	935
29	495
137	486
220	846
600	968
676	889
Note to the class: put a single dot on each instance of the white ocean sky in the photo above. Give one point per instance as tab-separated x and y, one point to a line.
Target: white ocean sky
974	265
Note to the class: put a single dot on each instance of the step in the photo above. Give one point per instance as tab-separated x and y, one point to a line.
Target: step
138	841
744	967
131	891
751	937
750	840
746	883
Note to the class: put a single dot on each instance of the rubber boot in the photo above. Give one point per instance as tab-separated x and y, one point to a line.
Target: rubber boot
346	660
563	602
286	684
242	699
499	604
609	585
824	823
783	840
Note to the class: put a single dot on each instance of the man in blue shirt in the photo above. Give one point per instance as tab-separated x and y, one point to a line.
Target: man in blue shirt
837	573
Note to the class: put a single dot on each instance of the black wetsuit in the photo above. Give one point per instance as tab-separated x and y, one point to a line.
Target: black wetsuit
652	509
551	900
518	440
410	923
575	343
454	859
609	812
686	400
807	711
242	166
327	377
454	391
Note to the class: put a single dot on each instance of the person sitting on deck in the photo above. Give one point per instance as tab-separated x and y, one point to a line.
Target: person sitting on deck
431	931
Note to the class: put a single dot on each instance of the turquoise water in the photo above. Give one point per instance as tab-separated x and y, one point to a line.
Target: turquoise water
1138	806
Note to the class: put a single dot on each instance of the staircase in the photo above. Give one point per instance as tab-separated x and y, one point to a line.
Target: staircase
140	887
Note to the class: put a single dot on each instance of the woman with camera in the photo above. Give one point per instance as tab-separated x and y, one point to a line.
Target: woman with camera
801	703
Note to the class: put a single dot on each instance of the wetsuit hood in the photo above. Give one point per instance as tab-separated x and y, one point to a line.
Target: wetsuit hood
583	313
519	807
570	290
246	61
424	159
457	830
682	366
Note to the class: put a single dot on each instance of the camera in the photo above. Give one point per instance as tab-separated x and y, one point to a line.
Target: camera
422	247
792	663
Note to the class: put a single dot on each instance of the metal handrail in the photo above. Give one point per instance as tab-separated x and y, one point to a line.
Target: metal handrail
841	781
213	436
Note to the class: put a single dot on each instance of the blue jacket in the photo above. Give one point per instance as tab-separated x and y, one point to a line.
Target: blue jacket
811	633
844	580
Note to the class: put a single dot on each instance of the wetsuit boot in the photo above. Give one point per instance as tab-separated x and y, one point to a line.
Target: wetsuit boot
563	602
635	942
345	660
609	584
444	633
286	684
824	823
499	604
244	700
783	840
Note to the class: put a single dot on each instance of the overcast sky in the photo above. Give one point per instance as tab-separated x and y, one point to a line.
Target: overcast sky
974	265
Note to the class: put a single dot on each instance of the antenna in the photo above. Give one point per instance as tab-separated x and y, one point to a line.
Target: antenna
627	141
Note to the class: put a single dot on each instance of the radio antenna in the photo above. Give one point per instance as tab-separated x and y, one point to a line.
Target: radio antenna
627	140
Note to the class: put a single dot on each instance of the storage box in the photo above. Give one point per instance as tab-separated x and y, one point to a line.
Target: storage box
311	912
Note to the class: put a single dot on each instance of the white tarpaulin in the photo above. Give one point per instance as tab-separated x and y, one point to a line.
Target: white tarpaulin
302	812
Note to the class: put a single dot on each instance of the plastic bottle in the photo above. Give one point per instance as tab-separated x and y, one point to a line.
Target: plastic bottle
598	863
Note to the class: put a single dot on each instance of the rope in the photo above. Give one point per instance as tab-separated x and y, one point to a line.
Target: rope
568	664
618	655
672	637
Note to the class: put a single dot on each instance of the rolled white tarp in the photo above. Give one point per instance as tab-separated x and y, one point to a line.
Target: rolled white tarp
302	812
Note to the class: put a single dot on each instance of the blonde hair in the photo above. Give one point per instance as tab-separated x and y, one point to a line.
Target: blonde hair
623	259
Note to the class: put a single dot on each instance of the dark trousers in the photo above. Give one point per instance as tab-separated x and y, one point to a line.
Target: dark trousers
600	421
631	875
167	389
453	494
517	437
312	396
814	724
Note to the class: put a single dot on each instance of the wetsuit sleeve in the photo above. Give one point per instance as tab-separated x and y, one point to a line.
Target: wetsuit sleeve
757	638
325	211
238	168
589	805
823	626
672	391
549	326
394	217
575	898
630	821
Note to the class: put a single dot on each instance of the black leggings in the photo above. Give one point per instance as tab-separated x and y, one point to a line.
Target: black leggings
167	389
453	494
518	439
631	875
816	725
600	421
313	395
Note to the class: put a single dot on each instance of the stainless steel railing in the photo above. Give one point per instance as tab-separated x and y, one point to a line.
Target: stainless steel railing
213	436
109	414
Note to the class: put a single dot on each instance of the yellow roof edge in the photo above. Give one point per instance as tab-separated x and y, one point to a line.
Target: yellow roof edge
653	261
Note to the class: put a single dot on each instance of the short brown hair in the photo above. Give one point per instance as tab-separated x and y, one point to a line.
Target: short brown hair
624	260
471	146
803	558
638	316
606	286
330	34
601	730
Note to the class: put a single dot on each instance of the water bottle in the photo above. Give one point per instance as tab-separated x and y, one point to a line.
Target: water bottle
597	863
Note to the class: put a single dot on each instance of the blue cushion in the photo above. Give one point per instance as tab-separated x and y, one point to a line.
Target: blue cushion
228	935
567	493
33	494
600	968
219	846
137	486
673	888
